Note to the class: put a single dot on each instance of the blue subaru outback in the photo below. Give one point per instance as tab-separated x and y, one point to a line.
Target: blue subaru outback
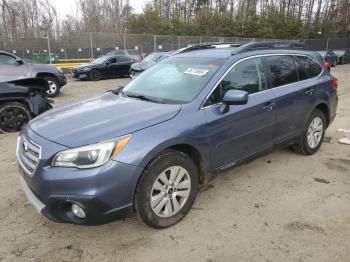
151	145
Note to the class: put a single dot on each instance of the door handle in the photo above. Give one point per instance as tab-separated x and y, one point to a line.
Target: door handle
268	106
309	91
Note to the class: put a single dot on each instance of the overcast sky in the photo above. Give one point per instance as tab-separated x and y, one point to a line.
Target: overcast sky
67	7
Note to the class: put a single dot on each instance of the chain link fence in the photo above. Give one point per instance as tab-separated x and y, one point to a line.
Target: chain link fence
58	47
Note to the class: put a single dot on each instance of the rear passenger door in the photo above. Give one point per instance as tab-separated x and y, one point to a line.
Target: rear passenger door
295	94
244	129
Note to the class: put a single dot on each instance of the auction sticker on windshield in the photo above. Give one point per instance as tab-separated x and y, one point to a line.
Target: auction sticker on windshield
196	71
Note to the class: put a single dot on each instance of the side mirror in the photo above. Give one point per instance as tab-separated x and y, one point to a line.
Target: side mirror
233	97
19	61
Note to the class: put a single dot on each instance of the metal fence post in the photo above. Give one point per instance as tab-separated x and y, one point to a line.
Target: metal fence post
327	44
91	47
179	42
155	43
124	40
48	45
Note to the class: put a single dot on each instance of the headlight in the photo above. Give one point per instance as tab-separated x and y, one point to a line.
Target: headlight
92	155
60	70
84	69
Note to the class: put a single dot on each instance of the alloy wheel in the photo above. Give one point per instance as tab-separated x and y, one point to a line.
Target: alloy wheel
315	132
52	87
170	191
13	119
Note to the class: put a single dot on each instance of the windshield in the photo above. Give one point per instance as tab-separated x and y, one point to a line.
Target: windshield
99	60
175	80
339	52
154	57
133	52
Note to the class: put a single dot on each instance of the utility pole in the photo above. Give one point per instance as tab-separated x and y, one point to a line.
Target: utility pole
48	45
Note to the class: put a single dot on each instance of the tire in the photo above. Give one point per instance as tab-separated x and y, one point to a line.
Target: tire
305	146
164	212
13	116
95	75
54	86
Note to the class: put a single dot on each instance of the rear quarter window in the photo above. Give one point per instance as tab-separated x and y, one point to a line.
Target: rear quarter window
282	70
311	67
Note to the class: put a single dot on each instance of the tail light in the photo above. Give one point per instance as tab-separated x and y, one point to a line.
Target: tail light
334	82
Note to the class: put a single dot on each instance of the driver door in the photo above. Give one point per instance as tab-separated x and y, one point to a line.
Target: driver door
244	129
112	67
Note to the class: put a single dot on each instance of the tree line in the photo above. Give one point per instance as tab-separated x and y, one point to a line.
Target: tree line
238	18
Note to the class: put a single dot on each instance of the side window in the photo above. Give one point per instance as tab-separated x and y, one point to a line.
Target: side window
310	66
123	59
282	70
7	60
301	72
112	61
247	75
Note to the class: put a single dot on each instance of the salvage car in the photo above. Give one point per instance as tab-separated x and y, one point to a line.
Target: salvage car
151	145
340	54
20	101
131	53
329	57
346	57
104	67
149	61
13	67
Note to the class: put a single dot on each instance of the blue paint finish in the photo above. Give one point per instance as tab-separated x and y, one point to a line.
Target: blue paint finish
269	117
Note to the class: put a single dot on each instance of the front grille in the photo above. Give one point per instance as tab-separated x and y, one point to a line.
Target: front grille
28	155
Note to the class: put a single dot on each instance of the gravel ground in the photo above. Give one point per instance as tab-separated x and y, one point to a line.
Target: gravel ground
281	207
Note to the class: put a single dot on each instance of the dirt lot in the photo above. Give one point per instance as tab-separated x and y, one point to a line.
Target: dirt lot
271	209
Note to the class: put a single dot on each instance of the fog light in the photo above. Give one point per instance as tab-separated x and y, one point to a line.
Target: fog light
78	211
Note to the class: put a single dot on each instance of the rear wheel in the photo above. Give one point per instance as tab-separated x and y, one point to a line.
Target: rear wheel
167	189
54	86
13	116
95	75
312	137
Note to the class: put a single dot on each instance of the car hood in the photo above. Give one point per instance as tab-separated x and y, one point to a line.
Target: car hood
43	68
81	66
141	66
100	118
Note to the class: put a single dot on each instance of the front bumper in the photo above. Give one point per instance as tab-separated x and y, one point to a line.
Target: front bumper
105	193
62	79
80	75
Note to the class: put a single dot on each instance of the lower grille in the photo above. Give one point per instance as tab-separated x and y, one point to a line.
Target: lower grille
28	155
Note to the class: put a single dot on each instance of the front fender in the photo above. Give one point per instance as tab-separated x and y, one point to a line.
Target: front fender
37	104
145	144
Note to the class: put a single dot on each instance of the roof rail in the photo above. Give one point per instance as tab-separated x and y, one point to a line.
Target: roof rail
270	45
199	46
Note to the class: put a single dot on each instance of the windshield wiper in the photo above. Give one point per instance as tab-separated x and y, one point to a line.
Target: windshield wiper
141	97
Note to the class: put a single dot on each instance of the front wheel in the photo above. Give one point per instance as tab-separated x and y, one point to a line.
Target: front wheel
95	75
312	137
13	116
167	189
54	87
